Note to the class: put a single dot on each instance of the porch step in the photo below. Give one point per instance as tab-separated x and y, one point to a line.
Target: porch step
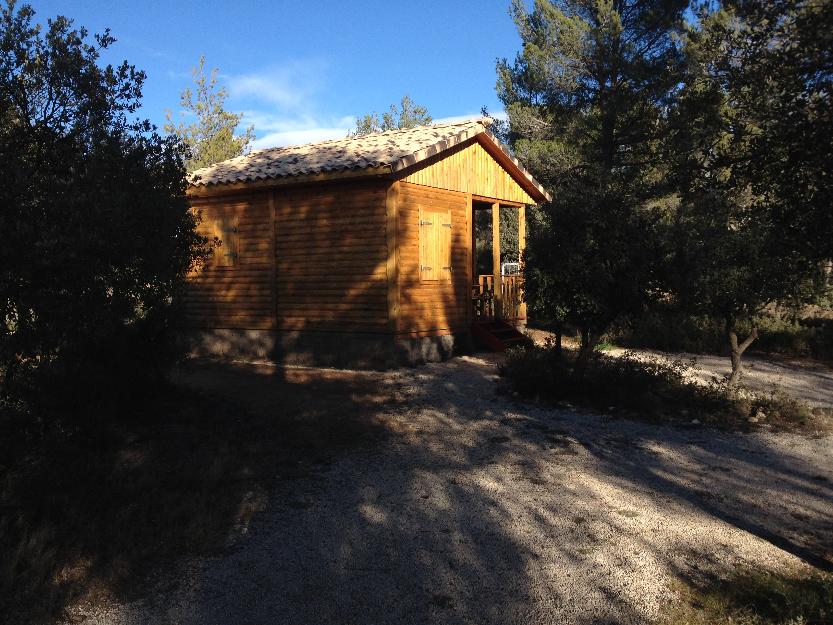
498	336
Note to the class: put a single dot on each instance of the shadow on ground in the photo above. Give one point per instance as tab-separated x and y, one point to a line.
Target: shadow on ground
462	506
417	496
90	517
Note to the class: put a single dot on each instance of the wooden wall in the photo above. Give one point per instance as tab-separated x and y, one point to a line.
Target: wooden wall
432	306
469	168
331	257
238	296
346	254
329	264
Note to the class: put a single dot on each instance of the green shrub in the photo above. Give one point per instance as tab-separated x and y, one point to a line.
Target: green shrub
672	331
652	389
805	337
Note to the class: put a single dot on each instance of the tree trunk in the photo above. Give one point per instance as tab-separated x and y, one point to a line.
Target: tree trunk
7	378
736	350
558	349
585	350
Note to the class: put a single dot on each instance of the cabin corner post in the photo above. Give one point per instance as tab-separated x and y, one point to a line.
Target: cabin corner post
496	276
521	249
472	279
273	260
392	262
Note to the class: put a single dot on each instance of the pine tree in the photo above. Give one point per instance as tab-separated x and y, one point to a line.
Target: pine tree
408	115
210	139
586	100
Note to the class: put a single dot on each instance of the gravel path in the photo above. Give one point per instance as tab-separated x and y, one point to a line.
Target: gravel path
478	509
805	380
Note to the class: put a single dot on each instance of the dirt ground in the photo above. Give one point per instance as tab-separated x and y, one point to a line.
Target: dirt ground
455	504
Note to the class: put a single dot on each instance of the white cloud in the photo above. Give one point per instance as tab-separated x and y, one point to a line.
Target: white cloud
271	122
274	130
453	119
299	137
282	104
277	130
289	86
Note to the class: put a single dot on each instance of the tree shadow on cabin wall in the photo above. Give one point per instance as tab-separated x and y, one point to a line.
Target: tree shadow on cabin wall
343	261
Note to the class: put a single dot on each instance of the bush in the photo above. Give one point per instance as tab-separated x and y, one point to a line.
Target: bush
652	389
100	232
672	331
805	337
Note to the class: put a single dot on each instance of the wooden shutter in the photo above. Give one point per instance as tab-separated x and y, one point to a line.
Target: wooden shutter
445	245
434	245
427	266
226	229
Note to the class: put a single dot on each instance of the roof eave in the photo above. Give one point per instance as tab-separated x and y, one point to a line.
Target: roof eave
502	155
492	145
432	150
200	190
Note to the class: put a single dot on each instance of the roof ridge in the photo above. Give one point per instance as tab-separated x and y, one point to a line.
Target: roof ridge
473	120
484	121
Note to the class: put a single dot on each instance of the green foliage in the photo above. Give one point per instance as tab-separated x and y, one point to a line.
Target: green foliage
690	167
676	331
652	389
509	251
585	99
210	139
750	152
98	236
671	330
649	388
751	597
408	115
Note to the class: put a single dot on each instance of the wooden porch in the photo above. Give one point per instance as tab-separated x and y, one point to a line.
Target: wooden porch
507	306
498	310
498	296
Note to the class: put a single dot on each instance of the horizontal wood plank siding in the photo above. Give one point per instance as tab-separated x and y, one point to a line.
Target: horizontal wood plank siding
239	296
469	168
439	305
330	258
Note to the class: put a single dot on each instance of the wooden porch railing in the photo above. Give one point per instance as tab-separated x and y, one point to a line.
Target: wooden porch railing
483	298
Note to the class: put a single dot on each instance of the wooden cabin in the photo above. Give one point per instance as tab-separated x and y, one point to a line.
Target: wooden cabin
355	252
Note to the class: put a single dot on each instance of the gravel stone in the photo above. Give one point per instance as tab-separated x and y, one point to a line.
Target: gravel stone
480	509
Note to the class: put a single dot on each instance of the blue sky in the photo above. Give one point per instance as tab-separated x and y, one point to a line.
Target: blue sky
303	70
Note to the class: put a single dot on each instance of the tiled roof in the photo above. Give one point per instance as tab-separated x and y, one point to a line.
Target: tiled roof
393	150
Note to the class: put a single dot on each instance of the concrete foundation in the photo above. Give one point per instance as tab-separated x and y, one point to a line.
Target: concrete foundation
325	349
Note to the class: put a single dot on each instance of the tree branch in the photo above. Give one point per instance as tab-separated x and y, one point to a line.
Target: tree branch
748	341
